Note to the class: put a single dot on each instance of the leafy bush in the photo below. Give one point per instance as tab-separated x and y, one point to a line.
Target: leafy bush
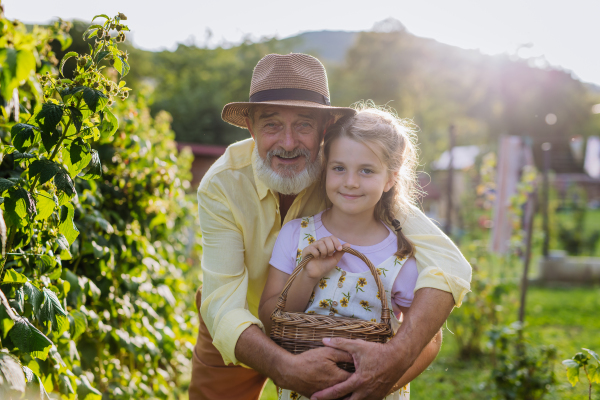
590	368
93	269
572	235
520	370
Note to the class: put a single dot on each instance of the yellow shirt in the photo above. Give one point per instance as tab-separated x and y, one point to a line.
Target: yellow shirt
240	220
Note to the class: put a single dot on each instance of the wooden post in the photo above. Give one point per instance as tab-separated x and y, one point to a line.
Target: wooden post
452	137
546	147
529	214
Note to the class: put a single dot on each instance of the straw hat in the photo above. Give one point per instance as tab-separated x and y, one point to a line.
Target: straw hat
296	80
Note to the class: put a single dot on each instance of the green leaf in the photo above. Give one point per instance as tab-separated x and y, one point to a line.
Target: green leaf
109	124
6	323
12	277
572	371
63	243
49	116
34	296
35	389
66	94
64	385
94	168
67	225
51	313
12	378
64	183
49	140
64	60
78	323
45	263
85	391
18	206
100	15
16	155
95	99
24	135
5	184
29	339
76	118
45	205
100	56
46	168
25	64
121	65
594	373
593	354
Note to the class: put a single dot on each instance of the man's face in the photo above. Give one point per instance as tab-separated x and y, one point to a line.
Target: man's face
288	136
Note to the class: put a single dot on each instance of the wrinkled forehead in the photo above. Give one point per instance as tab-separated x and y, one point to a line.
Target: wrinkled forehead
263	111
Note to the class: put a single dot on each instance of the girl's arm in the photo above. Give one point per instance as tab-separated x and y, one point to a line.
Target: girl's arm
423	361
325	259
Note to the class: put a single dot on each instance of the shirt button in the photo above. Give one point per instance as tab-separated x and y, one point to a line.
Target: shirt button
335	303
340	284
332	314
343	273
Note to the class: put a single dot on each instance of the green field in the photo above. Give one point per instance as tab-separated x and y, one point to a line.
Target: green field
568	318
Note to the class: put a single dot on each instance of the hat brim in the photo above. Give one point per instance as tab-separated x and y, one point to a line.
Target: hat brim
236	113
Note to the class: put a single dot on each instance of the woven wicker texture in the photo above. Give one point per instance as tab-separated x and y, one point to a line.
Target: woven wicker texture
290	71
297	332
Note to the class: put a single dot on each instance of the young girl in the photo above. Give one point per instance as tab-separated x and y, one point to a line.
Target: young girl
368	176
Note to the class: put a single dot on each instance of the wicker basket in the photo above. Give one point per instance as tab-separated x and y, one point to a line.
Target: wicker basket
298	332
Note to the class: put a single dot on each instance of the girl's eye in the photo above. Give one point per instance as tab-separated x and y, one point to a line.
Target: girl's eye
338	168
367	171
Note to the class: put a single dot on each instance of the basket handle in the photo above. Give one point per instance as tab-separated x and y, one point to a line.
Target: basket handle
385	311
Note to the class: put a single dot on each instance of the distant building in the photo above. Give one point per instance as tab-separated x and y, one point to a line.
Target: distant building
204	156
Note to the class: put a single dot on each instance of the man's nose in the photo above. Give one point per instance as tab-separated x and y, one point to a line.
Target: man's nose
289	140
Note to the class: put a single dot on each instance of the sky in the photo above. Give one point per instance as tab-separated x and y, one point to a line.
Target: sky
564	34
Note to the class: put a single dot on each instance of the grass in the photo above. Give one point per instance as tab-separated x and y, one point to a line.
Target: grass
568	318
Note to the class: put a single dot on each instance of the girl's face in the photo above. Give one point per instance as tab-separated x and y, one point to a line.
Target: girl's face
356	178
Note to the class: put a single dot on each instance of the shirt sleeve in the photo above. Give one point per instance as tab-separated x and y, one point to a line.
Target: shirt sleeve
404	285
440	263
286	247
225	275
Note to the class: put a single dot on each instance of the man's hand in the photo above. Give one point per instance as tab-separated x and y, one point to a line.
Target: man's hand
303	373
314	370
377	370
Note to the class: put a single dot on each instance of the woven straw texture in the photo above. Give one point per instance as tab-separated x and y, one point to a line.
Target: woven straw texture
290	71
298	332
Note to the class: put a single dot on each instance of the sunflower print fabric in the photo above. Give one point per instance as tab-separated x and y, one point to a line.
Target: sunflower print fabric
351	295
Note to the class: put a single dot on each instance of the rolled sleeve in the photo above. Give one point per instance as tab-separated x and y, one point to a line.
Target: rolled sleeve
225	275
440	263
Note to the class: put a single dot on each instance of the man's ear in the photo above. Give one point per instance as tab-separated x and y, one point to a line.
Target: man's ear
249	126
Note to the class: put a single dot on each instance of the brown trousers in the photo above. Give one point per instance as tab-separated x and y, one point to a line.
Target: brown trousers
212	379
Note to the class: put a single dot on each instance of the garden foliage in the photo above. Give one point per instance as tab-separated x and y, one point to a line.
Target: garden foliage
93	217
589	363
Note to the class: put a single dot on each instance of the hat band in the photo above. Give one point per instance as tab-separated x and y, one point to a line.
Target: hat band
289	94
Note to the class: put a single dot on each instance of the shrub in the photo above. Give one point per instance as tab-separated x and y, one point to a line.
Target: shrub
94	251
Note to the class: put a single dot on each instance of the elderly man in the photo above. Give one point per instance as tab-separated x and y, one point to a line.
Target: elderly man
258	185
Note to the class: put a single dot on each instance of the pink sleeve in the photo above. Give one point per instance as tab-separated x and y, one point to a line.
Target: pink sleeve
404	285
286	246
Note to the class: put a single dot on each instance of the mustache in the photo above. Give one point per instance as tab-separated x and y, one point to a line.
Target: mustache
288	154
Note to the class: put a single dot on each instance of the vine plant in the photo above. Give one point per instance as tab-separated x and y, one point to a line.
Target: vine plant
49	149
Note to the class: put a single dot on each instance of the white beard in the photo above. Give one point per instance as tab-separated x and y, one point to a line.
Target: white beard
292	182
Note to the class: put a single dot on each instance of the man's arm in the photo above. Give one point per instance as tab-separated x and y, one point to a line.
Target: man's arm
236	333
380	366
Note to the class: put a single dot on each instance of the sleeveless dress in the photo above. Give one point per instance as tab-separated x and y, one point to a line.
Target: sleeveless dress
349	294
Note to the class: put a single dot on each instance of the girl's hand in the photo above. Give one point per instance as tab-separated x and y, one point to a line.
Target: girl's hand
326	252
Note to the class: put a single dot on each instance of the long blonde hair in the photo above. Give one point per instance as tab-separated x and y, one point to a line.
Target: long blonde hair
395	143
